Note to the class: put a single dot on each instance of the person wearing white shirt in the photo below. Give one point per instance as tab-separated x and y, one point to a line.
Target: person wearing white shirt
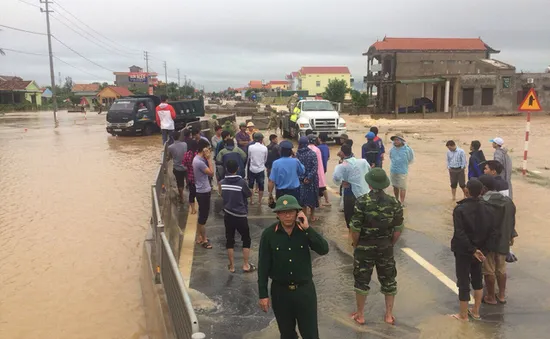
257	157
456	164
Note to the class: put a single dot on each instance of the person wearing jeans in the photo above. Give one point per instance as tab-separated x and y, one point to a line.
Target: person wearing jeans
203	170
472	226
165	119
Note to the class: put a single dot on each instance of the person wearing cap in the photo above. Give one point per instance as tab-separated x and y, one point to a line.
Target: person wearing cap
376	225
251	129
502	237
257	157
456	164
285	173
243	138
380	143
501	155
472	222
401	156
309	188
284	256
370	151
350	174
229	127
320	168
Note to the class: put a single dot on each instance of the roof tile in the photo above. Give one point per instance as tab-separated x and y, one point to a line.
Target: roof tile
436	44
85	88
325	70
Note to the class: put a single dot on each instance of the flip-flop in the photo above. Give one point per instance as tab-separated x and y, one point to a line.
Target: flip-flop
251	269
471	315
455	316
502	302
354	317
229	269
206	245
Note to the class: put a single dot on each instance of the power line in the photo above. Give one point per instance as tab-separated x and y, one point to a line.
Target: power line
23	52
98	33
28	3
95	43
22	30
78	68
82	56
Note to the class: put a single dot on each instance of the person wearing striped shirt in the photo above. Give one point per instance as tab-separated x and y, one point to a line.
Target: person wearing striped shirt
456	164
235	194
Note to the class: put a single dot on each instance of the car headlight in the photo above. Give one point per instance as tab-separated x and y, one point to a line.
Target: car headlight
342	124
109	124
304	125
130	123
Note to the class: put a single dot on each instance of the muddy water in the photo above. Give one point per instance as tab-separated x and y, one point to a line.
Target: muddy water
74	211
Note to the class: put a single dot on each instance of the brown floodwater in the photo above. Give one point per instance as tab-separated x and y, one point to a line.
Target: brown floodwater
75	208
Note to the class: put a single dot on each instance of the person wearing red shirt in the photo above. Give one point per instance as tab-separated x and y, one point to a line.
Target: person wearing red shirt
165	119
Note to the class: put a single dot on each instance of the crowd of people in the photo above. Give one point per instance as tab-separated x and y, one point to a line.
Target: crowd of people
484	221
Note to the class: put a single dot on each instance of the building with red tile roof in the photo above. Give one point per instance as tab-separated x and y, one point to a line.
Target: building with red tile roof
430	44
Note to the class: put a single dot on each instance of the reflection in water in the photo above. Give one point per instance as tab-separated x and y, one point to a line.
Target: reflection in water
75	208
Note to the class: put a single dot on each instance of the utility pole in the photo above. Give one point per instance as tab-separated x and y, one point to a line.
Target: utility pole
146	57
60	81
179	83
165	79
52	73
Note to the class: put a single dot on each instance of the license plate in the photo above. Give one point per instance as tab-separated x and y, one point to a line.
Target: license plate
117	130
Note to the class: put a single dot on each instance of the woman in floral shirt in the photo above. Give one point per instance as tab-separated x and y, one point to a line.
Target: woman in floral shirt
192	147
309	188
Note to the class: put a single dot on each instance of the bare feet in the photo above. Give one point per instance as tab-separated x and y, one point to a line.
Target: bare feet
458	317
231	268
358	318
389	319
327	203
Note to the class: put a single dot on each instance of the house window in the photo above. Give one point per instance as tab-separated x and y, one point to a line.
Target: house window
506	82
487	96
427	62
318	84
467	97
451	61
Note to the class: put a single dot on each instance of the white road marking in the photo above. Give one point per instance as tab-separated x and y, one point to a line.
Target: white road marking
433	270
188	247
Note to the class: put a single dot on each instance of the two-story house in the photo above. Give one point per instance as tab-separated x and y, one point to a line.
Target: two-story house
315	79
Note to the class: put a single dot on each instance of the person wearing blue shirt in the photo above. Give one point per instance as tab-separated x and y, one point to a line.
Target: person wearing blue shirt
456	163
285	173
401	156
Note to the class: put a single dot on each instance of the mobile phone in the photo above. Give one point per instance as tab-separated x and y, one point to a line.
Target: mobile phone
301	220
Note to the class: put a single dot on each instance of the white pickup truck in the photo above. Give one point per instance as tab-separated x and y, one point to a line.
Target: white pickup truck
318	116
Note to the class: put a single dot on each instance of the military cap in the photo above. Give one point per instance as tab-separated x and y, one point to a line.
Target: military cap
377	179
285	144
287	203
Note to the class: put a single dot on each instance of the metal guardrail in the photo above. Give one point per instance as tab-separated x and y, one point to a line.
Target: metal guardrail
184	319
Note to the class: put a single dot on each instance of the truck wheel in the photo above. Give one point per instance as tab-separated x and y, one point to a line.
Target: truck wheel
148	130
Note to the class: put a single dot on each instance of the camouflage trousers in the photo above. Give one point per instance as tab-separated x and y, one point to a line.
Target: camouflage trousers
273	123
381	257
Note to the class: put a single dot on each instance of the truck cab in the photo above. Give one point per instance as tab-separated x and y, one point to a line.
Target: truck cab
136	115
318	116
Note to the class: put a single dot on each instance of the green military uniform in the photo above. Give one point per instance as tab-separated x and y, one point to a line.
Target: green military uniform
292	102
376	217
273	120
286	259
230	127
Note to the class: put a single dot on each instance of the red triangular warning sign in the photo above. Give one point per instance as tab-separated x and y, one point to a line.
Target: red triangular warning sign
530	103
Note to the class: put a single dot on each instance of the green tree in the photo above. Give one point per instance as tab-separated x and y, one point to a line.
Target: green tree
336	90
359	100
68	86
2	52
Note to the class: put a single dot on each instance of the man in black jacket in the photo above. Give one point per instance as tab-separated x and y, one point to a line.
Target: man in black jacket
472	224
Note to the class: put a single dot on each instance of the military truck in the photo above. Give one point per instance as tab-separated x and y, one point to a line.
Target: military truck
136	115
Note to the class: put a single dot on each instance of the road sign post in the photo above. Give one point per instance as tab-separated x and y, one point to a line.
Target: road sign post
529	104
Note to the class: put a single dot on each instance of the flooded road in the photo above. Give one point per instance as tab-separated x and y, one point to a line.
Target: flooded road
75	209
423	301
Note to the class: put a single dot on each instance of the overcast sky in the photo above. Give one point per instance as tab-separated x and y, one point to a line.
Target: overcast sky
221	43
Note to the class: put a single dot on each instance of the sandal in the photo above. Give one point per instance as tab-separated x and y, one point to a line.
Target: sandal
229	269
455	316
471	315
251	269
502	302
206	245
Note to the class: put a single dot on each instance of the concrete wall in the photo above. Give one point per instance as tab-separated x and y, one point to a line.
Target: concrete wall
420	64
309	82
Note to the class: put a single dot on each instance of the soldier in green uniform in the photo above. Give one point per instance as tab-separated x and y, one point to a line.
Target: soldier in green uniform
273	120
285	257
229	127
376	225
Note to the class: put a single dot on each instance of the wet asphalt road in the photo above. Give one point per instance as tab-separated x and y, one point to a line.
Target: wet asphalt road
422	304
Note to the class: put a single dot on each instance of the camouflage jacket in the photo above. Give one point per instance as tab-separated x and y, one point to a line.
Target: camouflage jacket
377	216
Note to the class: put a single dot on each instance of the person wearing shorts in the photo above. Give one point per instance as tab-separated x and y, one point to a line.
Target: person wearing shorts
456	163
203	170
176	152
235	192
401	156
257	157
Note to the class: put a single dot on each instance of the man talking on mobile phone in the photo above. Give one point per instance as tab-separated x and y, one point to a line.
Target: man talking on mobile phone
285	257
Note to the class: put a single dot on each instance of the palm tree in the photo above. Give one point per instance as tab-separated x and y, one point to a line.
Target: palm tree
2	52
